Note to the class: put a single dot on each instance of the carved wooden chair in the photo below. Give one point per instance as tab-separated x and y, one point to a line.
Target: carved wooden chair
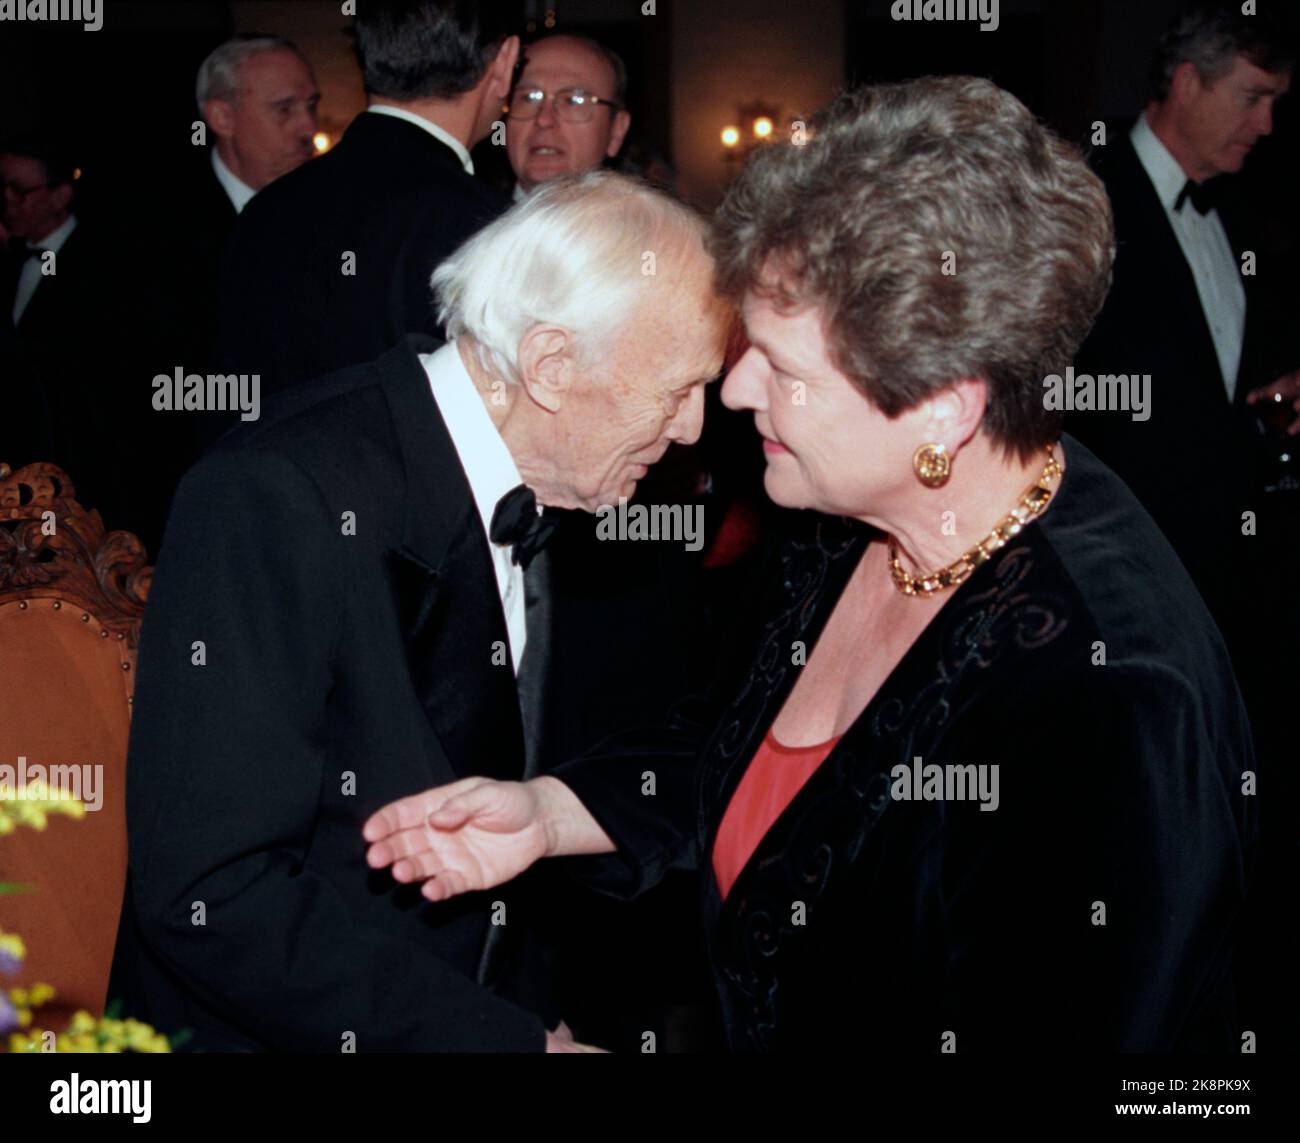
71	601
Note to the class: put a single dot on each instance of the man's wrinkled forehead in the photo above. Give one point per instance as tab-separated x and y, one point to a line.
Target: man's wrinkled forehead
273	76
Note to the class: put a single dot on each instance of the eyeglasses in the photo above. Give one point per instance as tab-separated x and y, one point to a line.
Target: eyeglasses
22	193
572	104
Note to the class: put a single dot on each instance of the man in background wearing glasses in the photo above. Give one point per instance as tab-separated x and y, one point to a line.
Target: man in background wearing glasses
566	110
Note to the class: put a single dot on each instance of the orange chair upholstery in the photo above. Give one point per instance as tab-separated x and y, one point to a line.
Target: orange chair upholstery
71	600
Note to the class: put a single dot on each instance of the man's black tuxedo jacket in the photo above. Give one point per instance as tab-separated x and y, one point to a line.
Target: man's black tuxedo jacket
1192	464
319	641
389	194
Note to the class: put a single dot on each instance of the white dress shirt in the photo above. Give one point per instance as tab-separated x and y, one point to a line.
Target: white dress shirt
29	277
490	470
238	191
1206	247
427	125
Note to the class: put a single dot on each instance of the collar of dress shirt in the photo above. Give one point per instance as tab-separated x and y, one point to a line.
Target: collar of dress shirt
484	457
238	191
56	237
1165	172
430	126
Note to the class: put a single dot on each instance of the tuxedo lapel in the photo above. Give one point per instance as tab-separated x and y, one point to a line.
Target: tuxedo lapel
53	292
445	589
535	669
1174	272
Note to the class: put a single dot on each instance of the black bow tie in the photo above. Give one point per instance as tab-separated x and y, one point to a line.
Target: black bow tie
517	522
1204	196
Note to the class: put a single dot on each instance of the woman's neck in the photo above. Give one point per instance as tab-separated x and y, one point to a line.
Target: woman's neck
935	527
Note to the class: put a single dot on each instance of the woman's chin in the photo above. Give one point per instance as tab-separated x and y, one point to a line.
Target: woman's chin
784	492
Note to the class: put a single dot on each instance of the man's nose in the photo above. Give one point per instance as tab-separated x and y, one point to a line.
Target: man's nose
686	427
742	388
546	114
306	122
1263	118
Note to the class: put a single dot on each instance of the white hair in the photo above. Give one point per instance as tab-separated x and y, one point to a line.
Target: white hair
578	253
218	76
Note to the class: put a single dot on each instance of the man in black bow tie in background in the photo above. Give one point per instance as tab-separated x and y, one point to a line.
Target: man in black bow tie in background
1181	309
1198	304
351	605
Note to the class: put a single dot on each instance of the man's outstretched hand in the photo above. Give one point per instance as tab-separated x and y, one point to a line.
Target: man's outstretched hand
468	835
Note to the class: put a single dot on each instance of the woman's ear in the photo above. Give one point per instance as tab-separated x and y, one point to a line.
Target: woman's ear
546	365
954	415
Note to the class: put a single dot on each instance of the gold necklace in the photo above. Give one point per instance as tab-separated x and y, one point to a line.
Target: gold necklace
1035	499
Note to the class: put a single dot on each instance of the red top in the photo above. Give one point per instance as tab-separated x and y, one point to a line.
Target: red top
774	777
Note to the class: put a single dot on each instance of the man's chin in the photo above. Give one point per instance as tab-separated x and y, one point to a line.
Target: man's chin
543	172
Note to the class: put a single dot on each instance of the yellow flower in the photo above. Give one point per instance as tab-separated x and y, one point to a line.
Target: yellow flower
33	804
12	944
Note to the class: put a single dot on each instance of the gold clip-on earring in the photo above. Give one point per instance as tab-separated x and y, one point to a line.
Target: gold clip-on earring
932	465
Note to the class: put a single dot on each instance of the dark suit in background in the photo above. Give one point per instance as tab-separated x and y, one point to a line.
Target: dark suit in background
171	324
1195	466
342	672
391	195
58	372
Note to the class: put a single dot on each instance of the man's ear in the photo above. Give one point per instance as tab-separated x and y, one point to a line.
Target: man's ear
62	195
220	116
622	121
545	363
1186	82
502	70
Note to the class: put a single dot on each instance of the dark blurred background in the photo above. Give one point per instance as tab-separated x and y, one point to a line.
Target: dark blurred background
124	95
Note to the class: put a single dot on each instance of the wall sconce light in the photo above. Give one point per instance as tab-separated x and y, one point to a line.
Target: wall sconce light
756	125
322	142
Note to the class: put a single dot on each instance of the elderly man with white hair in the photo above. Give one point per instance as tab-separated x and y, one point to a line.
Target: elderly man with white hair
350	606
